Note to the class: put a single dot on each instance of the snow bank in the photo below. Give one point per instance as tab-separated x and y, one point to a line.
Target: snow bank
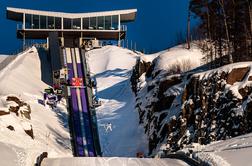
22	78
11	155
235	151
23	75
111	58
176	56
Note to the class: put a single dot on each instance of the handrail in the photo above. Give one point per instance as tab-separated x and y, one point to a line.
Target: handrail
21	27
123	27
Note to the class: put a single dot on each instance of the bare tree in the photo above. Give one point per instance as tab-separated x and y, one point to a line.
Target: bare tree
221	2
188	28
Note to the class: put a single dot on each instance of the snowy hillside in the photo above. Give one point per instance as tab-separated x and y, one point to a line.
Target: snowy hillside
176	106
112	67
2	57
28	128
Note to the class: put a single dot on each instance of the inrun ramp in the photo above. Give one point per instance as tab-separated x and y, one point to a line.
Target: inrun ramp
82	124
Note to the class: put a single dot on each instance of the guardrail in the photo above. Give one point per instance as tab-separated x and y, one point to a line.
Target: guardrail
122	28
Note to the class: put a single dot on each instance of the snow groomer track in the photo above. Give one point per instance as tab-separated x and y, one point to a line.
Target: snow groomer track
80	113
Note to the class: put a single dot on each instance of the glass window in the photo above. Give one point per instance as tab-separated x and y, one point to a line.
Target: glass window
76	23
101	23
93	24
57	23
108	24
67	23
114	22
28	21
51	23
85	23
43	22
35	23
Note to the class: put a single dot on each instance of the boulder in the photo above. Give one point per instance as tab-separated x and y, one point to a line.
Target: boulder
237	75
14	109
144	67
4	112
250	78
15	99
25	111
166	84
10	128
245	91
30	132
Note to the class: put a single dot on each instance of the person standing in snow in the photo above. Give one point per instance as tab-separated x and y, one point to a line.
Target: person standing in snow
108	127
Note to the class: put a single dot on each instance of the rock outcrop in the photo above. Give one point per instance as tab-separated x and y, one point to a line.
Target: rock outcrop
10	127
177	109
29	132
20	108
4	112
23	111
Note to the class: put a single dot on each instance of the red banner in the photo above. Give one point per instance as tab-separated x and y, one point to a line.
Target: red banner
77	82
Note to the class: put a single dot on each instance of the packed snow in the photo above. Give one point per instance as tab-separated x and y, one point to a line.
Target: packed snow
112	161
22	79
177	56
112	67
234	151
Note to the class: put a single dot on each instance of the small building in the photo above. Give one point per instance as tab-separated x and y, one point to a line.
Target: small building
37	24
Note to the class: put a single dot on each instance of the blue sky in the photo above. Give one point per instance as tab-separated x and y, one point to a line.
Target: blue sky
155	29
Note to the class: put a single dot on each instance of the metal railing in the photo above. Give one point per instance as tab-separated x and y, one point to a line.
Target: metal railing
19	26
123	27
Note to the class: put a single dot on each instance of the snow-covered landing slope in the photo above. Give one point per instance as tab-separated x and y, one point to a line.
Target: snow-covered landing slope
112	67
22	78
111	161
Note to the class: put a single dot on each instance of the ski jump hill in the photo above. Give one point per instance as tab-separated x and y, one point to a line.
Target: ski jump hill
50	127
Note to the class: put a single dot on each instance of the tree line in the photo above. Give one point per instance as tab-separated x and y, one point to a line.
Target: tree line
225	29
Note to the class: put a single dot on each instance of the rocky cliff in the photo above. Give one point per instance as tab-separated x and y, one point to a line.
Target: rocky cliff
179	107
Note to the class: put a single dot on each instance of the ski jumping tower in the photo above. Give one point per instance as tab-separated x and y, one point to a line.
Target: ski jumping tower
68	36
